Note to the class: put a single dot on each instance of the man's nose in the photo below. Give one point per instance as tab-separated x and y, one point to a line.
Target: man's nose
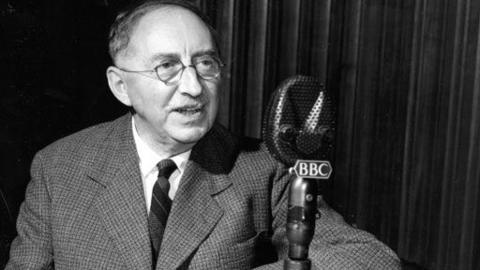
189	82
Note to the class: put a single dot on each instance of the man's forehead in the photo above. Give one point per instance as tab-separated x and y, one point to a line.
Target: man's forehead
169	19
168	27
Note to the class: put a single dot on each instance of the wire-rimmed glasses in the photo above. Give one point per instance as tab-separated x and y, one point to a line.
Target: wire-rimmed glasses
170	70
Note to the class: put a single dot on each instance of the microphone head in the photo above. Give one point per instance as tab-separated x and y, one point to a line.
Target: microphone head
299	122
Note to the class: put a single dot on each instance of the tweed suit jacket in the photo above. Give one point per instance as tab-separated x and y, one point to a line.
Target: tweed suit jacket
85	209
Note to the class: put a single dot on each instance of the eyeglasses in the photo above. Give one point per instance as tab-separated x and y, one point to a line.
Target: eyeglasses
170	71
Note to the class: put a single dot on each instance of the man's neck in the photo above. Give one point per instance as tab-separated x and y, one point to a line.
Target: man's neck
164	149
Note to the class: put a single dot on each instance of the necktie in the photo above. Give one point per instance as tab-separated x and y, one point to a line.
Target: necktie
160	205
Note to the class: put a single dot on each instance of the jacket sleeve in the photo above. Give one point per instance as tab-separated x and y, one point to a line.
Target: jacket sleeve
335	245
32	248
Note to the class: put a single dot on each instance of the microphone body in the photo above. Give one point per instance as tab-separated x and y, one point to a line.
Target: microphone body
302	208
298	129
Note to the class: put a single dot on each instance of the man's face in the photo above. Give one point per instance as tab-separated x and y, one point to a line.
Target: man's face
170	115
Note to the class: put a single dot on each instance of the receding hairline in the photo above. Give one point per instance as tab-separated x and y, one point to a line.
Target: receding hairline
120	36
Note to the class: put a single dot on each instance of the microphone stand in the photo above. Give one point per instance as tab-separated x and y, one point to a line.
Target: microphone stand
302	208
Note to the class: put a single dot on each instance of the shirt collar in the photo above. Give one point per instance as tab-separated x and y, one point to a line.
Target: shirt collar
149	159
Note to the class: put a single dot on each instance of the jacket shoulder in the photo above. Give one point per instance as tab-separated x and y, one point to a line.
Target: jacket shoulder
241	147
249	156
81	144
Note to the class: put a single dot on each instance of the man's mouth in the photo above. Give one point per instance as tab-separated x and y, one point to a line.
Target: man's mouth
189	110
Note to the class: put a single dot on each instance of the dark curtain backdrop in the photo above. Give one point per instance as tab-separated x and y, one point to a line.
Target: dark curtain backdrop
405	73
408	80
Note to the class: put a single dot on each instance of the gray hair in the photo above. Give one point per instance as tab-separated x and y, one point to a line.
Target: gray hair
126	20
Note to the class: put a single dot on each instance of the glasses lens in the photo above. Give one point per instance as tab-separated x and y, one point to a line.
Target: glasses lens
208	67
167	70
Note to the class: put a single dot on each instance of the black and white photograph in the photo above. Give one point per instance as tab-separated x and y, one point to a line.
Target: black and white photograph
240	134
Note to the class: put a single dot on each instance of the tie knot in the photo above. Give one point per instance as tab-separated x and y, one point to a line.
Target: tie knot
166	167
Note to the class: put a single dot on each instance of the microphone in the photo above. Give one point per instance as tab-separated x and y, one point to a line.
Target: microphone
298	130
299	122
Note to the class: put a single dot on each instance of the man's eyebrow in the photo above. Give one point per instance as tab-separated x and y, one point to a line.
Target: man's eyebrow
210	52
159	56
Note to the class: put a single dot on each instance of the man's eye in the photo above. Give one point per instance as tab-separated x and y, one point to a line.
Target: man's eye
206	62
167	65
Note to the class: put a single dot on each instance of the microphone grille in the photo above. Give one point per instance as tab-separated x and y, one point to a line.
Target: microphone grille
299	122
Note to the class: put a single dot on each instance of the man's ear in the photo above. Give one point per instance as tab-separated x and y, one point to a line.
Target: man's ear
117	85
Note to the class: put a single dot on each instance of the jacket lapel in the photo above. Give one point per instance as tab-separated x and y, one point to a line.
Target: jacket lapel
121	204
194	212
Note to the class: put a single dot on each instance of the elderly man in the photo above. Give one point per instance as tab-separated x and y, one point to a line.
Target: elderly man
165	187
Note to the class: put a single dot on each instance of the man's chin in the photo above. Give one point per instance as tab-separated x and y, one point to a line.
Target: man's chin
189	135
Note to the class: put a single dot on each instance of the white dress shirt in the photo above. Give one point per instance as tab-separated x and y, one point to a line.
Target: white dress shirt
148	160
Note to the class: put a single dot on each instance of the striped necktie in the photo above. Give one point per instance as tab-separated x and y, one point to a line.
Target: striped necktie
160	205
